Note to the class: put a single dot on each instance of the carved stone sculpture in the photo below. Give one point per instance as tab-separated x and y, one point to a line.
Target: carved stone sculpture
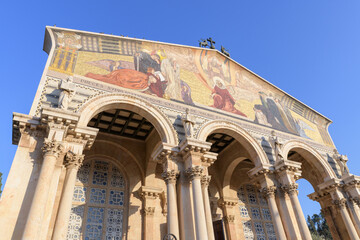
67	88
277	145
188	122
342	162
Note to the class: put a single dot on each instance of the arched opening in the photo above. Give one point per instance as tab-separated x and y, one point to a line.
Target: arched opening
129	131
238	153
314	171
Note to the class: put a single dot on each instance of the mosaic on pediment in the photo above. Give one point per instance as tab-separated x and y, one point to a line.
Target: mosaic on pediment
194	76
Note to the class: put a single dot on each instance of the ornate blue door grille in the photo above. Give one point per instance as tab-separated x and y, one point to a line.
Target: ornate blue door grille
98	203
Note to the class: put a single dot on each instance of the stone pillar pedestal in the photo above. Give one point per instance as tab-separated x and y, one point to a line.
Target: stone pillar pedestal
52	150
170	177
341	204
227	205
72	163
205	180
195	174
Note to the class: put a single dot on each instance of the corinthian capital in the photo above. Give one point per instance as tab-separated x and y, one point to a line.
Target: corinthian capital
229	219
205	180
194	172
269	191
290	188
148	211
170	176
52	147
340	203
73	160
355	200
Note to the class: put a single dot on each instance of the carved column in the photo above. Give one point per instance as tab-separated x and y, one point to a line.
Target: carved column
288	172
187	225
327	209
291	190
150	196
72	163
170	177
341	204
227	205
269	193
195	174
52	150
354	212
330	222
205	180
352	187
266	179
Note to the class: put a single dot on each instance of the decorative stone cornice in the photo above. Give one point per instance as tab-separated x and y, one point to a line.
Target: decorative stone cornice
84	135
316	196
163	153
340	203
352	181
262	170
149	192
208	158
289	166
52	147
194	172
59	116
25	124
268	192
228	202
148	211
170	176
73	160
205	180
290	188
229	219
194	145
330	185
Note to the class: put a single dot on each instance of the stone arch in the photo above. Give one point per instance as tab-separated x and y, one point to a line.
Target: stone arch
125	101
256	152
229	172
312	156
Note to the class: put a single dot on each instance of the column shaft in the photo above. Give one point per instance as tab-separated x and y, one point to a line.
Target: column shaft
347	220
36	213
355	215
62	219
172	216
289	223
200	222
209	222
275	214
304	230
187	223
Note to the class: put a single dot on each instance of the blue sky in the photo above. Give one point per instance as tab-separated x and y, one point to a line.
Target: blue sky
310	49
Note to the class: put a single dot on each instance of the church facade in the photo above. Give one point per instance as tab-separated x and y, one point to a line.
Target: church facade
136	139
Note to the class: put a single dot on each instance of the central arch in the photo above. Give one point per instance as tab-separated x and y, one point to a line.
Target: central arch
128	102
